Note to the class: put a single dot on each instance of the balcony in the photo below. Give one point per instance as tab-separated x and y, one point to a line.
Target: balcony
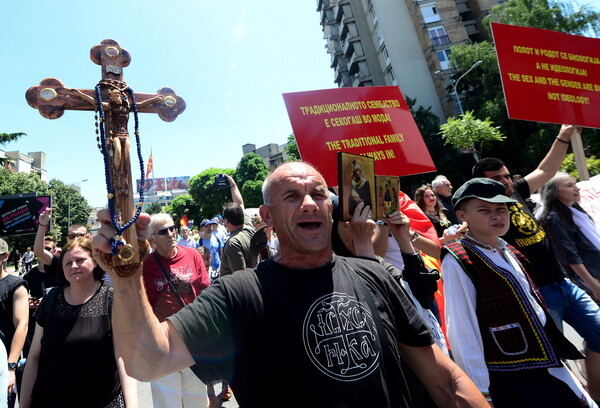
327	17
349	30
462	6
471	27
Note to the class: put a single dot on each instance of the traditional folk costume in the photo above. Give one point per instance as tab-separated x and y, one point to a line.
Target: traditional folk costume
500	331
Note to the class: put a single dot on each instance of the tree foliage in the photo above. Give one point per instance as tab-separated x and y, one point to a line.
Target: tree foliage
568	165
67	205
526	142
154	208
291	149
468	132
210	201
7	138
250	173
185	205
549	15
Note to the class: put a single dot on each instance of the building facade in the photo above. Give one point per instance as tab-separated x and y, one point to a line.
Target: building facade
273	154
405	43
26	163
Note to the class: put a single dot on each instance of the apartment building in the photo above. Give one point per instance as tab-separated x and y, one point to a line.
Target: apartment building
401	42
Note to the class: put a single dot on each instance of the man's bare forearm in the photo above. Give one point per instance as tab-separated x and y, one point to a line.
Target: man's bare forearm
139	337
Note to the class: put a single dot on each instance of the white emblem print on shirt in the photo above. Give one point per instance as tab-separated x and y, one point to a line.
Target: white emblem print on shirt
340	337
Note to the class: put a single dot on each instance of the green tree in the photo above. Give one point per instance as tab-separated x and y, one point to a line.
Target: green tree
7	138
568	165
185	205
68	205
549	15
468	132
250	173
526	142
209	199
291	149
154	208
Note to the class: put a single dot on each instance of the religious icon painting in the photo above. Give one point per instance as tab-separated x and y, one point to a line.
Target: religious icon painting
386	190
356	178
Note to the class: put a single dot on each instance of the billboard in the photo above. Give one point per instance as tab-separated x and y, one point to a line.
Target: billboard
164	184
19	215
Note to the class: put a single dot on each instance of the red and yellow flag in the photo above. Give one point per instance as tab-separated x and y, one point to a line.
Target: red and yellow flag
149	168
184	221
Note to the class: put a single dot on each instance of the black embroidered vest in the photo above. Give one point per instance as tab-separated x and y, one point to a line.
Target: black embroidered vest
513	337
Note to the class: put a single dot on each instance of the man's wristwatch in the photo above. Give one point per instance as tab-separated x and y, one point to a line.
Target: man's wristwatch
415	236
12	366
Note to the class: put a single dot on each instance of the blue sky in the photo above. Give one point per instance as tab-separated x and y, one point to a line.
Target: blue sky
230	61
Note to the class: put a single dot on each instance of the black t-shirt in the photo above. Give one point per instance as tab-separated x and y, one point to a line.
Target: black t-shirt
527	235
52	269
38	282
8	285
308	334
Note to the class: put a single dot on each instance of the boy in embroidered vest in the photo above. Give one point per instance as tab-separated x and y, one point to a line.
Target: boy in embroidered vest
498	327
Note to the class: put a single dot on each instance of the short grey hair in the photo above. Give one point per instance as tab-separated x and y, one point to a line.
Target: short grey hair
156	219
439	181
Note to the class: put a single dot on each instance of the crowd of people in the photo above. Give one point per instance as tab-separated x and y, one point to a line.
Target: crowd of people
298	304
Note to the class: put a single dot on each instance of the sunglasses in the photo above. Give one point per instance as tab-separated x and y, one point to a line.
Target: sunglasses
74	235
166	230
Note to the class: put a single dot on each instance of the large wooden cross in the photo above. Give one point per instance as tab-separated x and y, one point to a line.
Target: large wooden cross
52	98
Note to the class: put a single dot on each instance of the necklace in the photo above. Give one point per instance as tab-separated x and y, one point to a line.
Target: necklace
478	243
118	246
439	218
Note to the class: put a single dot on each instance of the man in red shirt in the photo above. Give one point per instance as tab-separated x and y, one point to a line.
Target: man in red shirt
173	277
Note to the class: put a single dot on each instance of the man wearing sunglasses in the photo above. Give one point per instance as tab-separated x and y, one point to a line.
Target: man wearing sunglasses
174	276
46	257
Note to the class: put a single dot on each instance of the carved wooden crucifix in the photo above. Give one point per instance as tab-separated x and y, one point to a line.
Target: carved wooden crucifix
114	101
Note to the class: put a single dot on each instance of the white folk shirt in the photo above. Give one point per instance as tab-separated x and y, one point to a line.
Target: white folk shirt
461	320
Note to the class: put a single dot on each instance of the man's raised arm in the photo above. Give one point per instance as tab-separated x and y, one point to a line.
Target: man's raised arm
551	163
43	255
236	195
149	349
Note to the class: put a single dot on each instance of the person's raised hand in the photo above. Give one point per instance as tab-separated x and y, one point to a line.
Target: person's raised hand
101	242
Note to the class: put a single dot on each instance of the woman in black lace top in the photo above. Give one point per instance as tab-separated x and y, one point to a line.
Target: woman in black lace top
72	361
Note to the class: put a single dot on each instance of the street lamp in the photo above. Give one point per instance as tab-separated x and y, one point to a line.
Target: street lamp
455	84
69	202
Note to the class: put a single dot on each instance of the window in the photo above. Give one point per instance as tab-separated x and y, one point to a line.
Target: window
393	77
444	58
386	55
429	12
438	35
373	16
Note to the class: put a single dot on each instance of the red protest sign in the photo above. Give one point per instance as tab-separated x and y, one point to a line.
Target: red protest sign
371	121
549	76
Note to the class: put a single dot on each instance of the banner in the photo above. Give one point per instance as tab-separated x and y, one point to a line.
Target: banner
370	121
549	76
590	197
163	184
19	215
